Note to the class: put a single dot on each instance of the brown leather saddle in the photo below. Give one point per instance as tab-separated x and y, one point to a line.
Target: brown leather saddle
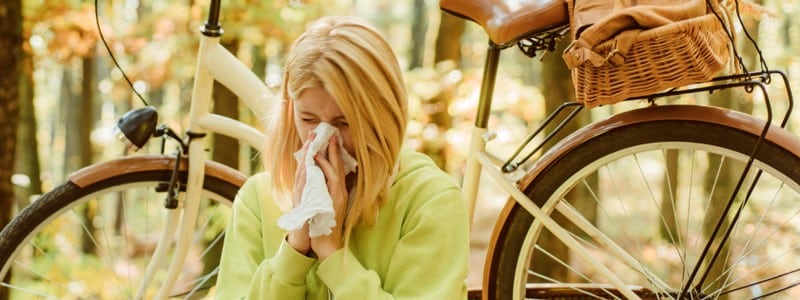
507	21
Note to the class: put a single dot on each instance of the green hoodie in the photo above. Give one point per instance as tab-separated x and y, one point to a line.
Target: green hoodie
417	249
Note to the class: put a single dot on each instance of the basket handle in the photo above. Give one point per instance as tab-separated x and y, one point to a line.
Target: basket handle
622	25
616	57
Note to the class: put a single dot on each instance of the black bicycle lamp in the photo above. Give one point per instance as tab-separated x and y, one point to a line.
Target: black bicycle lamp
137	126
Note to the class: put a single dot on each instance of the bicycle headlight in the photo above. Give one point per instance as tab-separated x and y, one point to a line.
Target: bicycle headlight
137	125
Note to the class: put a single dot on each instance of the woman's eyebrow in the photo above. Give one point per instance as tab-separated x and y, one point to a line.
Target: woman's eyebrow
303	112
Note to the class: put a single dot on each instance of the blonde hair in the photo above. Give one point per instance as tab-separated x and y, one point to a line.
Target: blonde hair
354	63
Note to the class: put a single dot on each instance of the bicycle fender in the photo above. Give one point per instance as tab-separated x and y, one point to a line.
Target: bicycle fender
140	163
713	115
708	114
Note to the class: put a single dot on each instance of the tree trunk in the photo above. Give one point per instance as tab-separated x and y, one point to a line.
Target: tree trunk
78	118
27	162
419	27
669	188
557	88
226	149
448	41
11	42
85	120
448	48
260	69
729	172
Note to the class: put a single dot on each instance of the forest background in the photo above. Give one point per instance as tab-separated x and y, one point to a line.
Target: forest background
60	93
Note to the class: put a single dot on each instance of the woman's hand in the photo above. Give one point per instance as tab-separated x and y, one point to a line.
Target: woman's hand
299	239
333	168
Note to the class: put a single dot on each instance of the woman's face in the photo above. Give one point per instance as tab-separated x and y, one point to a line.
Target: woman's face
315	105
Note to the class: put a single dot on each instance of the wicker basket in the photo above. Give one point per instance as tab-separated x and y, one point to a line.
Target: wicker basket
678	54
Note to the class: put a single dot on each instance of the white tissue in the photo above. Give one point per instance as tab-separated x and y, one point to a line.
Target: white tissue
316	205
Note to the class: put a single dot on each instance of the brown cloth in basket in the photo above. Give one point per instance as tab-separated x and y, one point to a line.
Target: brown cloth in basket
596	21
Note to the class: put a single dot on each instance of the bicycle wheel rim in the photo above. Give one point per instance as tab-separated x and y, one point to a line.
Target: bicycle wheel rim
574	167
51	262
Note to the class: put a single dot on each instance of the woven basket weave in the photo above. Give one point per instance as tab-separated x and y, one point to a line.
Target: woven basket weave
674	55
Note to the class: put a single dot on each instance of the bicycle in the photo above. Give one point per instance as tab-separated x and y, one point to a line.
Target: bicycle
737	253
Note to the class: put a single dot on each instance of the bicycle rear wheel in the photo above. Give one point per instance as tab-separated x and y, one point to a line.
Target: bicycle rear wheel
657	189
94	242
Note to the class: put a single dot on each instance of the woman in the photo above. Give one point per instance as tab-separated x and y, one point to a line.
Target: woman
401	223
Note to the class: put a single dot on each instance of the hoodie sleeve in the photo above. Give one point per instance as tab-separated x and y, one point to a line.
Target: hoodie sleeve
429	260
252	267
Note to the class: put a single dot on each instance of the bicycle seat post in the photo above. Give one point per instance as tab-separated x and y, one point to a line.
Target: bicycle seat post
212	27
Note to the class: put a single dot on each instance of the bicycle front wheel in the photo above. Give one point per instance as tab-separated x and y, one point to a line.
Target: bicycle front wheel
95	241
647	200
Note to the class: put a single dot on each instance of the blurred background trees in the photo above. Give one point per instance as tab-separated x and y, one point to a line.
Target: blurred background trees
61	85
11	42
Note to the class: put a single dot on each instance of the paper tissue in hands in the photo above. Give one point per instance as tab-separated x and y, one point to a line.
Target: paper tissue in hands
316	205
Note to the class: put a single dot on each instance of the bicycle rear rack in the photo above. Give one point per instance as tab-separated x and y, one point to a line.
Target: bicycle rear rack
572	108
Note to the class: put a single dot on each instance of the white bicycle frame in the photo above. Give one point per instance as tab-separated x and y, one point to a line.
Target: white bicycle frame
479	160
214	62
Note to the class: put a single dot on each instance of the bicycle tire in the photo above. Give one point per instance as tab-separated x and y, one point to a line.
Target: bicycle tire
38	236
755	263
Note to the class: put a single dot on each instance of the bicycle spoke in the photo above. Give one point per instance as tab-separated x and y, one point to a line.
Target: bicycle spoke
39	275
122	243
51	261
28	291
629	242
670	199
756	283
748	246
567	265
660	215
